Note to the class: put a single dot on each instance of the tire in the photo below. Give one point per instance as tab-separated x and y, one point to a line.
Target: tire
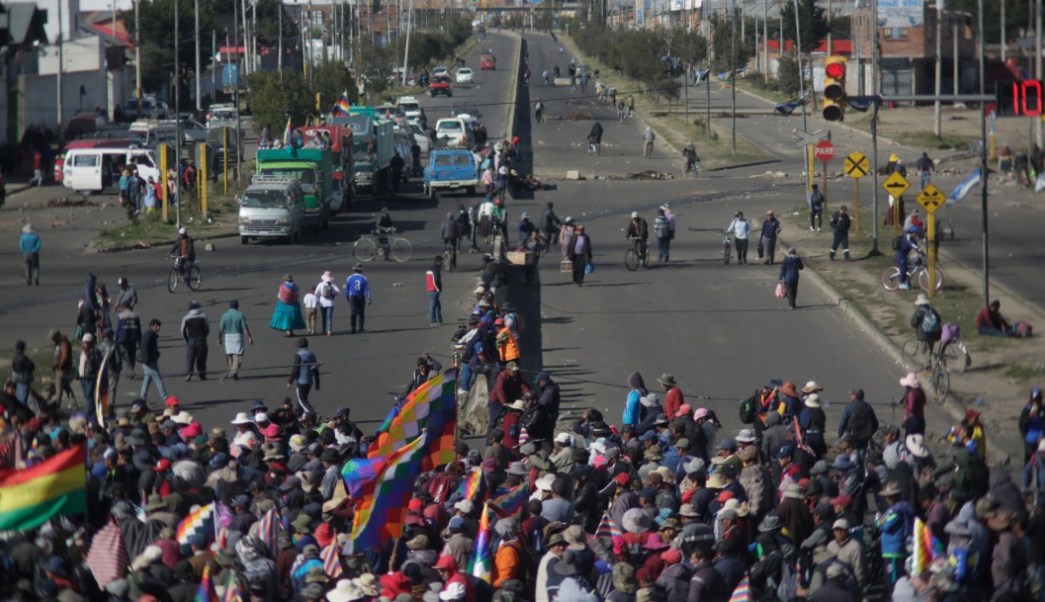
939	384
172	280
911	350
956	357
195	278
891	279
401	249
365	249
244	240
923	279
432	194
631	260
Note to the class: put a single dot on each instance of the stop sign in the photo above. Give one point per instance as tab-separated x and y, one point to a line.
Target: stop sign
825	151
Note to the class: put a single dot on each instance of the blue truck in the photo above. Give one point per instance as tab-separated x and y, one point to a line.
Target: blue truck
450	169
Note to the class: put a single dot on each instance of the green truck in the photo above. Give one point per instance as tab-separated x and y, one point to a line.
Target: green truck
314	170
373	148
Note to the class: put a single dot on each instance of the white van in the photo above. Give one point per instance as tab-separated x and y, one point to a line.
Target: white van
98	169
272	207
454	131
152	132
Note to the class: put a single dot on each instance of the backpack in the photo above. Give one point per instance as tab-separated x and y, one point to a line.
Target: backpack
930	321
897	243
748	409
861	427
328	291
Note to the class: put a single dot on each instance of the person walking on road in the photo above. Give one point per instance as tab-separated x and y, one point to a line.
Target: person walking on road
638	230
817	203
287	316
662	230
231	331
89	364
29	245
550	224
357	293
149	356
304	375
195	328
127	297
62	368
128	336
926	167
740	228
434	287
538	109
689	153
913	405
311	304
326	293
647	142
840	224
770	231
579	248
789	269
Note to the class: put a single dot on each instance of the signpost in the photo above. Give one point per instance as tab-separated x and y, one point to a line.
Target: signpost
931	199
825	153
896	185
856	166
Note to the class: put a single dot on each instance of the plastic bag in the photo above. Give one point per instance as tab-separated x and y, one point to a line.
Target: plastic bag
780	292
589	268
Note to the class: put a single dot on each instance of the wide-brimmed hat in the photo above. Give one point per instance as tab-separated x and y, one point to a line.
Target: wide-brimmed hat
910	380
418	542
771	522
302	524
516	468
667	379
916	445
241	418
688	511
367	582
155	502
599	428
793	491
575	537
716	481
812	400
891	488
345	591
922	299
519	405
812	387
544	483
636	521
746	436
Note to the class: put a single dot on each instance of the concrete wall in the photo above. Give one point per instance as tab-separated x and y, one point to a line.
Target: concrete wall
81	54
38	96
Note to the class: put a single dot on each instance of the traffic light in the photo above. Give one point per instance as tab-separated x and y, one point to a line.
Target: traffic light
834	88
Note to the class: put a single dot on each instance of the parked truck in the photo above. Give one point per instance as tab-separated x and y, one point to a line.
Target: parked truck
339	140
314	170
373	146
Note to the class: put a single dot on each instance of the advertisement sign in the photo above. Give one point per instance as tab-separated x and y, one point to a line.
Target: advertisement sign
901	13
675	5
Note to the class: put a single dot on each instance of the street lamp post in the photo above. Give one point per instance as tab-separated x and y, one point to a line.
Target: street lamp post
199	90
733	68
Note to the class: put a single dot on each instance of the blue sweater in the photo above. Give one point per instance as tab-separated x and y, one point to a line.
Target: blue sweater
790	267
631	409
29	243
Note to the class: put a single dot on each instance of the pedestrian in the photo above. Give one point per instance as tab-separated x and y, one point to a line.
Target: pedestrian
740	228
789	269
859	423
38	168
357	293
311	304
689	153
927	325
303	376
136	190
29	245
87	320
638	231
195	328
767	240
427	368
926	167
566	235
896	525
287	316
149	356
817	204
579	248
326	294
89	365
662	230
434	287
128	335
840	223
128	297
124	184
62	368
231	331
913	402
22	370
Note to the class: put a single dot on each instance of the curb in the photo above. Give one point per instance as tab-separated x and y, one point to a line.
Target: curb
509	126
123	248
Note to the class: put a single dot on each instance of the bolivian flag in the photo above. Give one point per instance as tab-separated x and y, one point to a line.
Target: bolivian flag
57	486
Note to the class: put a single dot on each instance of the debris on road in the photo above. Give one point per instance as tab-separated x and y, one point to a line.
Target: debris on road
649	174
65	202
578	117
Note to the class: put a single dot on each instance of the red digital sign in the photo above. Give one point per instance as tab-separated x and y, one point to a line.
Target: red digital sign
1019	98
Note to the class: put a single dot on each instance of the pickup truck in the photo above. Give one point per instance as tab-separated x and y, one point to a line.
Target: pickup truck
451	169
440	85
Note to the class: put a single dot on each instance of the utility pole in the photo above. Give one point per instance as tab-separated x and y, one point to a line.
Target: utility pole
733	69
279	59
409	30
214	59
137	53
61	67
873	25
937	126
954	53
982	37
801	74
199	90
1001	32
177	122
246	48
1038	16
765	37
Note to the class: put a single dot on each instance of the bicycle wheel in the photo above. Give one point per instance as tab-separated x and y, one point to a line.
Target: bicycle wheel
939	383
401	249
956	357
172	280
891	279
631	260
912	349
364	249
923	279
195	278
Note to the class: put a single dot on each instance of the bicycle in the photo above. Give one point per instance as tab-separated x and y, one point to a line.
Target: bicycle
450	254
727	249
192	279
939	373
918	270
647	149
634	257
388	245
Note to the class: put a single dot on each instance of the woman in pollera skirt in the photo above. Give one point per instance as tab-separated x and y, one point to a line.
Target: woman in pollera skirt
287	316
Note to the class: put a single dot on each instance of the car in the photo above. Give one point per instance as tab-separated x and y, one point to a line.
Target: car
451	169
193	131
465	76
487	61
410	107
440	72
440	86
454	131
222	115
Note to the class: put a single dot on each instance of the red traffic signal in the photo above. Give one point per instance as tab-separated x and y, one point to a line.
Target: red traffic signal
835	70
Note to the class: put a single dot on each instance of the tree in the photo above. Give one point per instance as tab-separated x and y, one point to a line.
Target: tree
271	100
811	17
723	43
330	80
156	37
787	75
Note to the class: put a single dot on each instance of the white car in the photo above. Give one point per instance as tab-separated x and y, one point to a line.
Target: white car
411	108
465	76
440	72
422	138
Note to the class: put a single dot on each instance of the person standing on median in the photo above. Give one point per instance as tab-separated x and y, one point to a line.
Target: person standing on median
231	330
840	224
434	286
29	245
817	204
789	269
357	293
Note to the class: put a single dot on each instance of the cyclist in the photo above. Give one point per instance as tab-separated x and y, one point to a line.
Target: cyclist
620	111
647	138
538	110
595	137
690	154
903	245
638	230
526	228
926	322
184	250
551	224
385	227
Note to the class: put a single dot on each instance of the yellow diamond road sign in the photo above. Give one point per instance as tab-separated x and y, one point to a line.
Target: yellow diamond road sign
856	165
931	198
896	184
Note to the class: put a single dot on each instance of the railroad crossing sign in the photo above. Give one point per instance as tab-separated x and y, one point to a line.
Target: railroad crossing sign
825	151
896	184
856	165
931	198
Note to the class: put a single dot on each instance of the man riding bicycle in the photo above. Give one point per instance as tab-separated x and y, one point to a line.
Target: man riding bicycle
550	224
184	250
385	227
638	230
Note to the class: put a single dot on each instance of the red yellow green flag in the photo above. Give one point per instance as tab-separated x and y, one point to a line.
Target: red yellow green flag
56	486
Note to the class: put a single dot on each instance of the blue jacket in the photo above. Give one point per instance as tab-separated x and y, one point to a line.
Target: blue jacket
896	525
357	286
790	267
631	409
29	243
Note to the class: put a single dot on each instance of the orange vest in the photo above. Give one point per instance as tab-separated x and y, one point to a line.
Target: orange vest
509	348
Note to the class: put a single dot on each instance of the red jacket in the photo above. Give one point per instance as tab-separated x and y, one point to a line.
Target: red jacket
672	402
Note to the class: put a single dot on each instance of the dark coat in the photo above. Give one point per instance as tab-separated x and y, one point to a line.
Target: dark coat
790	267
